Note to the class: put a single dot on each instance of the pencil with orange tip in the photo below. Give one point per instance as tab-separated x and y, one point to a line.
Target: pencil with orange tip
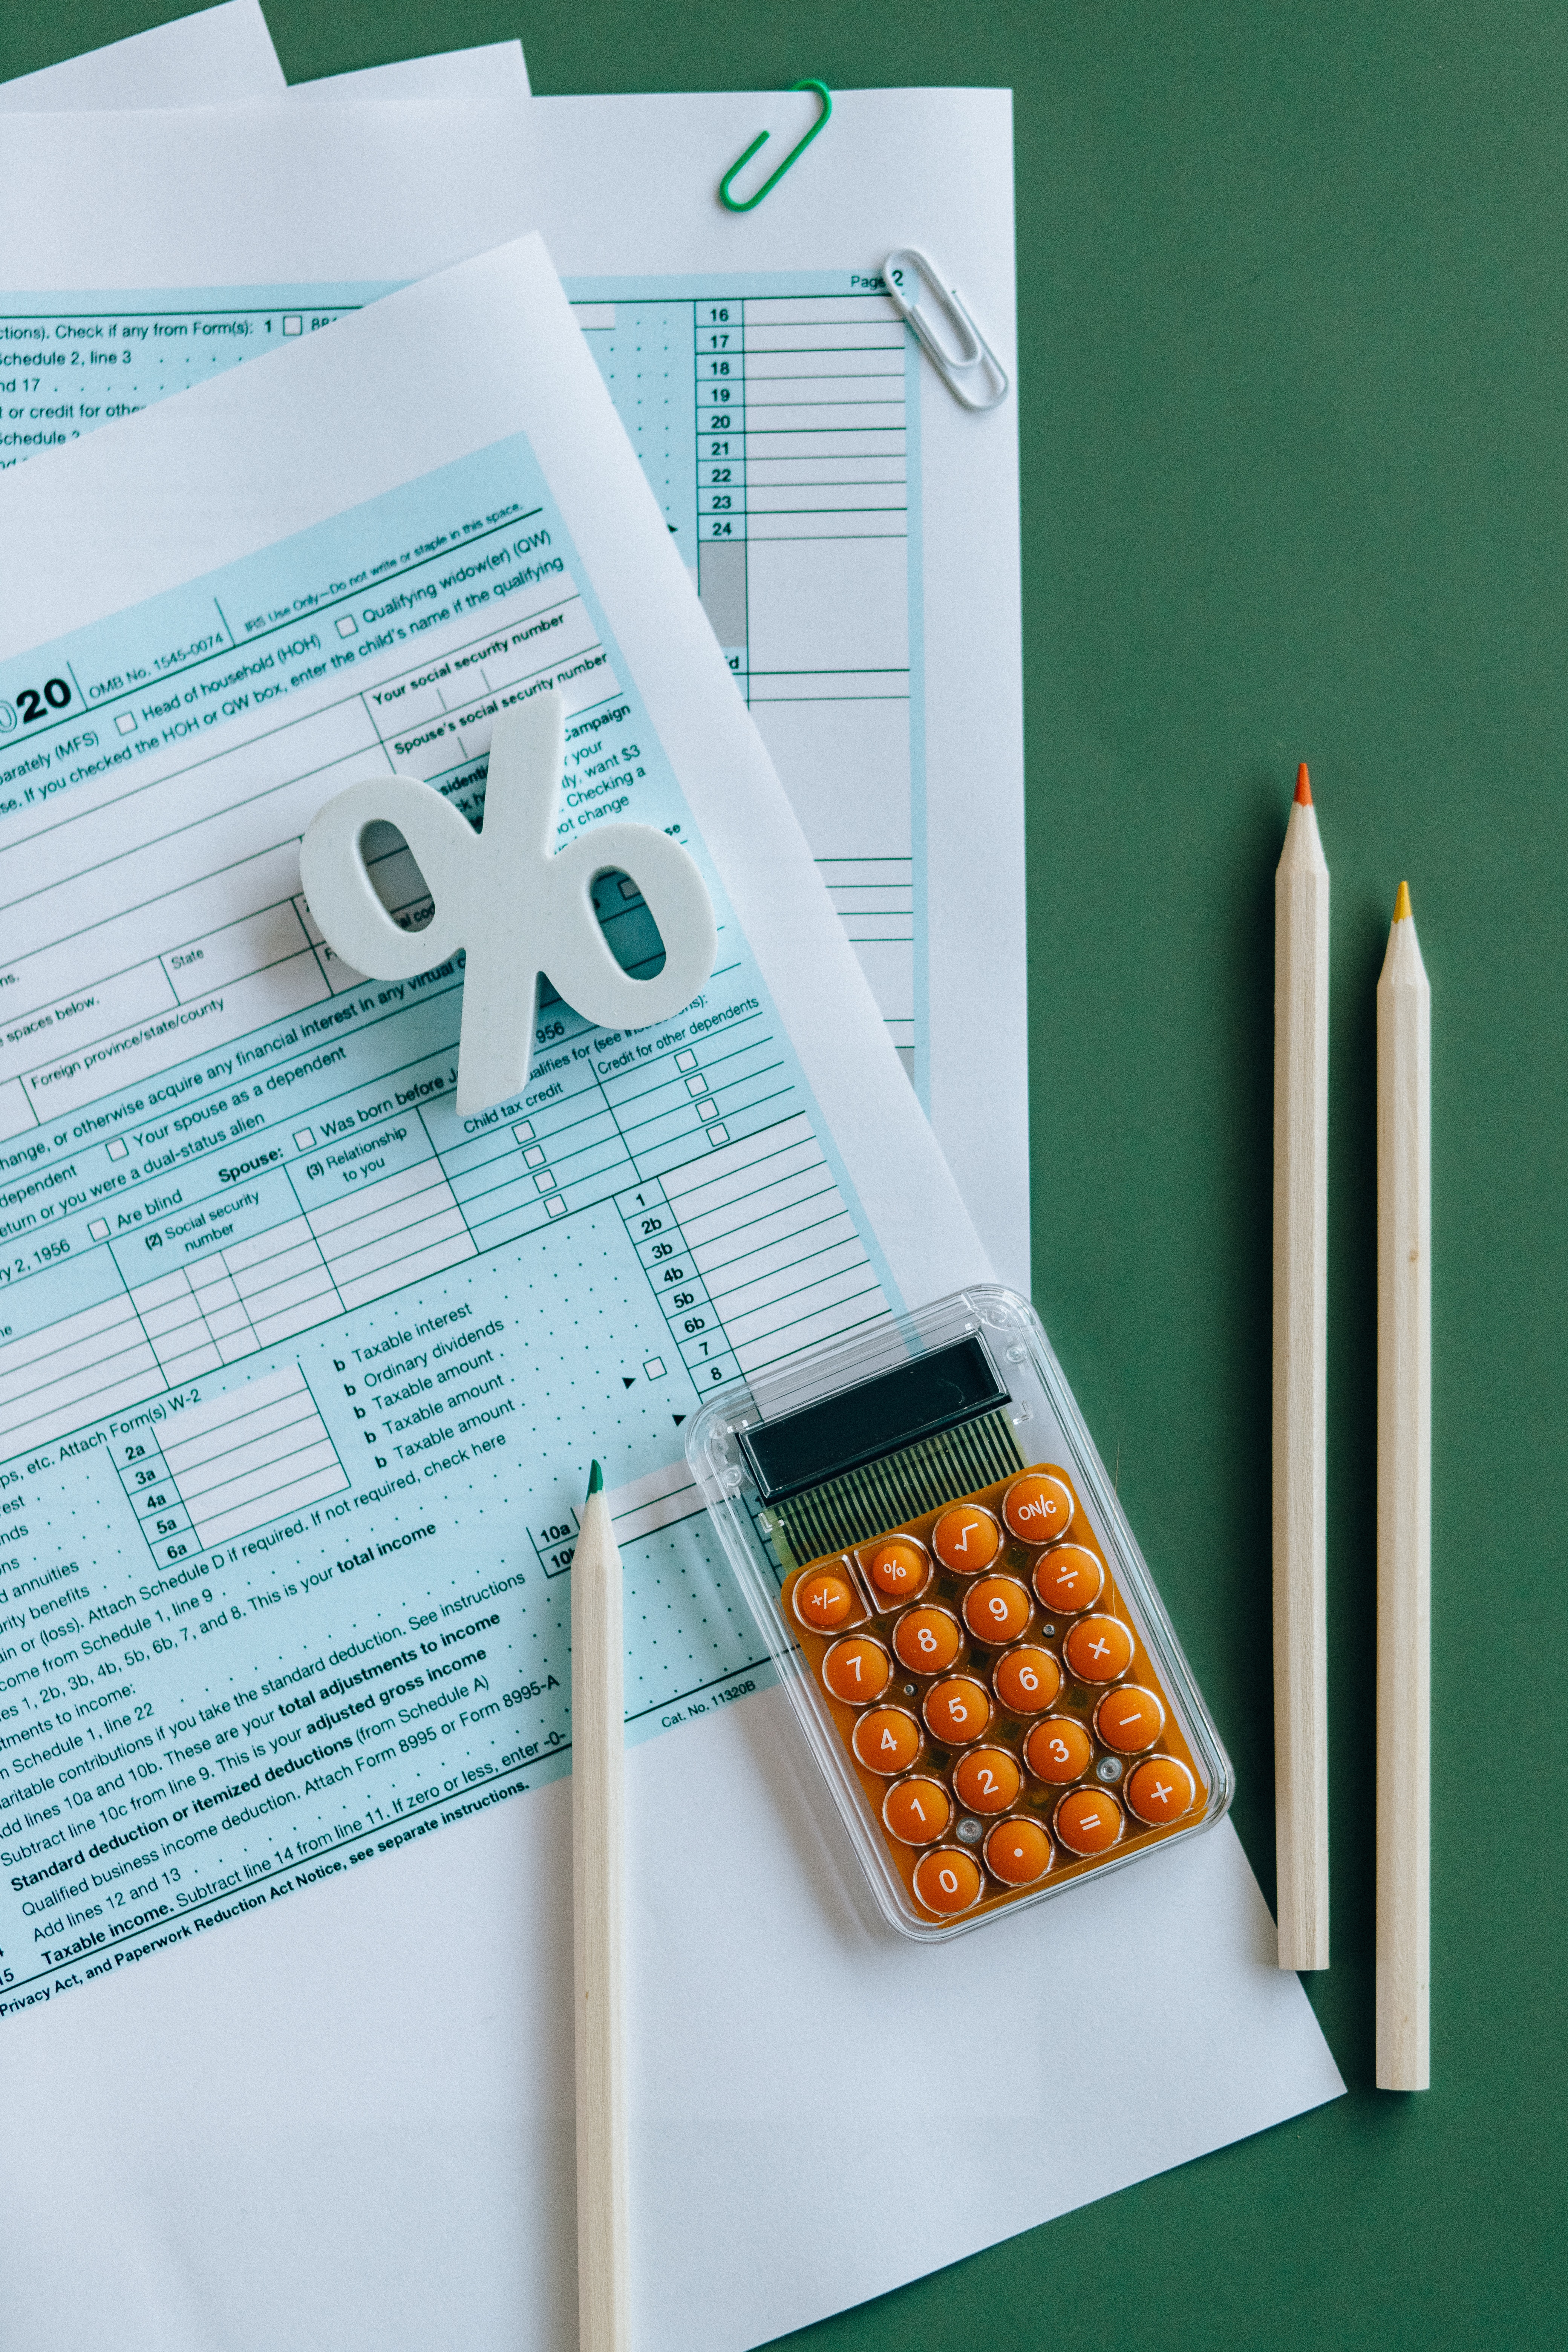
1300	1387
1404	1507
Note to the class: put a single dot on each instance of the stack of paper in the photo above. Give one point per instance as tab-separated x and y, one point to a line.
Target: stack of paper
299	1370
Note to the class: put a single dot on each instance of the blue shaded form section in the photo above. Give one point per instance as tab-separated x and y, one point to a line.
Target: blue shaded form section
71	363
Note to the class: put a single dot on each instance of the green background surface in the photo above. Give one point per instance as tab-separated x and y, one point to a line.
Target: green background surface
1293	395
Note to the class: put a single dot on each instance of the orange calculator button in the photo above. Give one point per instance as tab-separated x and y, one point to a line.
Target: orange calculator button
898	1569
1129	1719
927	1640
948	1880
1098	1649
1017	1852
887	1739
957	1710
966	1540
1036	1509
987	1780
917	1810
1161	1789
1089	1820
1027	1679
1058	1749
857	1670
996	1609
1068	1579
825	1599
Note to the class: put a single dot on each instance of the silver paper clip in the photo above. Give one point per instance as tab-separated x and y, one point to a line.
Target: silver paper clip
972	373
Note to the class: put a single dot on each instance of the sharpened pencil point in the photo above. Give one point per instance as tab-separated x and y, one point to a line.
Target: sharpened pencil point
596	1479
1303	786
1402	904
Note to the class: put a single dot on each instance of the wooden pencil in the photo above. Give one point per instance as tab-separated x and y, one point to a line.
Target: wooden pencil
598	1737
1300	1387
1404	1507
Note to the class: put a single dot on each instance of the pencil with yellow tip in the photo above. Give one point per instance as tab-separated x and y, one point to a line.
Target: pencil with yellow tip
1404	1507
598	1909
1300	1387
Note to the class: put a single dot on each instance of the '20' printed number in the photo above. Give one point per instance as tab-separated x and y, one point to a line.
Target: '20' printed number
31	701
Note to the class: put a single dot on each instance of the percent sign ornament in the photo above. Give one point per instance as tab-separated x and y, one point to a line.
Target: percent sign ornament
517	906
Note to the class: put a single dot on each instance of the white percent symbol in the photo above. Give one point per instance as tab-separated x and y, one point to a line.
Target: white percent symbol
516	904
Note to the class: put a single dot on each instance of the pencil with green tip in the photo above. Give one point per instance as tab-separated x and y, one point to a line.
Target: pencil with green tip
598	1840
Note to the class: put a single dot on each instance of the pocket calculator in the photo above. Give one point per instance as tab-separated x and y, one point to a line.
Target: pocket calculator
971	1640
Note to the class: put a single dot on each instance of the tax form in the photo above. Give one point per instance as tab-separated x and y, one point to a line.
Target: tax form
281	1152
298	1373
853	533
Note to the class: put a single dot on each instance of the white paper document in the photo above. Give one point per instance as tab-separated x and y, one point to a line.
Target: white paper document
854	531
299	1374
220	54
207	206
451	73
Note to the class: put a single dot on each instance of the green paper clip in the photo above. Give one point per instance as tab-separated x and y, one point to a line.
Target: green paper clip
795	153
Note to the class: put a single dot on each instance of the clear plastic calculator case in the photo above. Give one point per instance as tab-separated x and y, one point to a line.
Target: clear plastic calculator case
961	1614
